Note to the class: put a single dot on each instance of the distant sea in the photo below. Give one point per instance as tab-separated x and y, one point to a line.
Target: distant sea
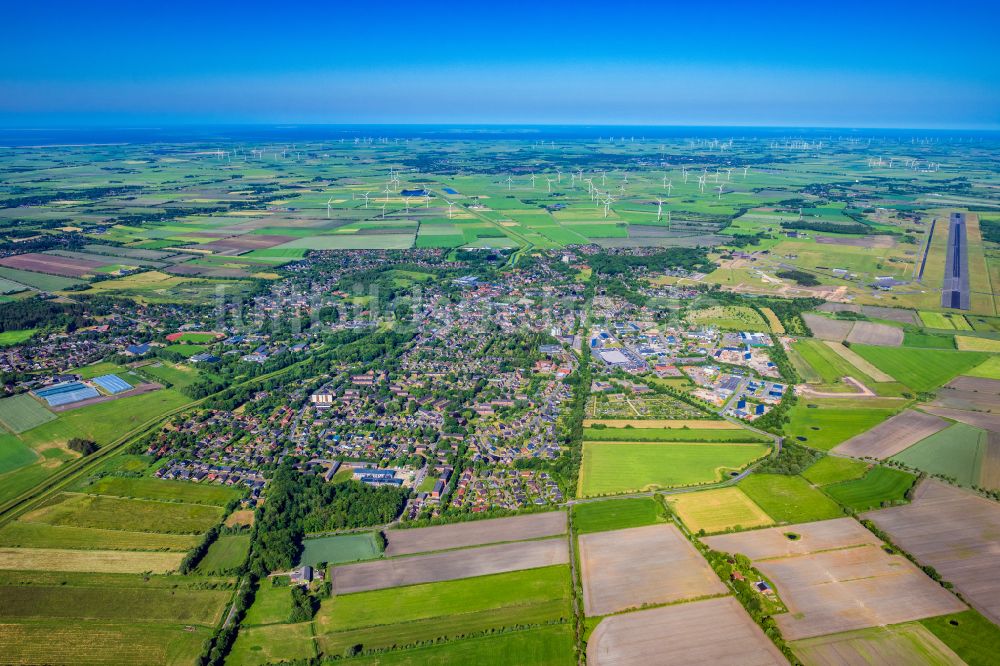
288	134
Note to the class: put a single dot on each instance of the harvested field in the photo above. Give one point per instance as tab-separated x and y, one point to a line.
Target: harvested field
891	314
54	265
718	510
989	422
967	400
957	533
838	584
858	362
449	565
642	565
100	561
475	533
683	634
827	329
977	384
870	333
890	437
909	643
882	242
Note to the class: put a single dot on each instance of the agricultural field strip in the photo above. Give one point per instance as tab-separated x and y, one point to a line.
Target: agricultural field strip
858	362
449	565
475	533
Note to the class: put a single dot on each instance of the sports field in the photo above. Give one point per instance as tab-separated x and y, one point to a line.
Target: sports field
620	467
788	499
339	549
718	510
617	514
880	486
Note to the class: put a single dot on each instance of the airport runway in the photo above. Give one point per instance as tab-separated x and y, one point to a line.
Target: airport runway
955	290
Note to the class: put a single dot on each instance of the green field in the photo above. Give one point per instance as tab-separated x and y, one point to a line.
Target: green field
39	281
945	321
957	451
880	485
620	467
671	435
827	425
920	369
162	489
225	554
104	512
832	469
39	535
617	514
14	454
272	643
186	350
203	607
829	365
339	549
970	635
178	375
789	499
730	317
272	604
9	338
545	646
401	605
122	643
21	413
988	369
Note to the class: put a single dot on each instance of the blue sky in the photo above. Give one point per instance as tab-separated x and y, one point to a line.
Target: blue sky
843	64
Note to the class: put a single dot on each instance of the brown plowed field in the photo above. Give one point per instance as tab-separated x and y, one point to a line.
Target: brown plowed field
642	565
476	533
892	436
831	584
957	533
713	631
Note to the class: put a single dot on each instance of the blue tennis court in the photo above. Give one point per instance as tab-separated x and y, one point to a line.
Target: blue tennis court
112	383
66	393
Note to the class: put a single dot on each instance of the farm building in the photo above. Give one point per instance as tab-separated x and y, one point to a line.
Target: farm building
66	393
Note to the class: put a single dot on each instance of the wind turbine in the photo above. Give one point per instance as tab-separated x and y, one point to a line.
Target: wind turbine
719	187
548	182
604	178
685	172
383	211
659	209
366	199
607	204
558	176
745	172
427	198
670	187
451	206
508	183
329	201
406	202
532	181
729	173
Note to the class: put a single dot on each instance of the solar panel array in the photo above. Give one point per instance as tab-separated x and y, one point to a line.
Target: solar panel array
66	393
112	383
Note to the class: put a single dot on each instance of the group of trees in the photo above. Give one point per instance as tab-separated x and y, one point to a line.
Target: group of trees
689	258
